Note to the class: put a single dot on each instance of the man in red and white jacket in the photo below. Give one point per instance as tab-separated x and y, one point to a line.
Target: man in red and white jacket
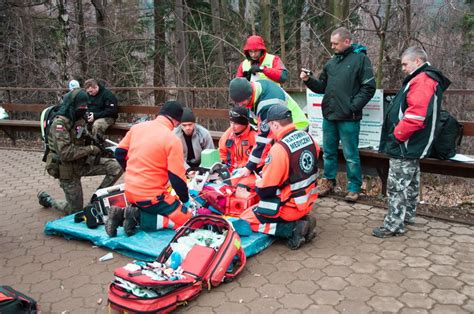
407	136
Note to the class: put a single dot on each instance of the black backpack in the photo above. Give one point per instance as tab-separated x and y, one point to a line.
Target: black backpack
15	302
46	120
448	136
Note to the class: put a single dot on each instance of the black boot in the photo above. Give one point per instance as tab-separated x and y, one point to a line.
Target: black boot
44	199
132	218
298	236
311	229
115	219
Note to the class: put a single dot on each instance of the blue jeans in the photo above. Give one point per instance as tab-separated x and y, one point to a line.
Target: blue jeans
348	133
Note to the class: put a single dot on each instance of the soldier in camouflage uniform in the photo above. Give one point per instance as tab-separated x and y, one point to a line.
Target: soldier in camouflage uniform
407	137
69	155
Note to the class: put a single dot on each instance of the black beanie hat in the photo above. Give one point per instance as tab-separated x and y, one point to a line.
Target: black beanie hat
239	115
240	89
188	115
172	108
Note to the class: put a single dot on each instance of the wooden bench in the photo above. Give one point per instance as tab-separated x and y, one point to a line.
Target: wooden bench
369	158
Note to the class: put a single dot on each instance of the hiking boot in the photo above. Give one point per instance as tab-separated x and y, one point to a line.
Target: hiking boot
44	199
383	232
409	222
326	187
298	236
311	228
131	219
351	197
115	220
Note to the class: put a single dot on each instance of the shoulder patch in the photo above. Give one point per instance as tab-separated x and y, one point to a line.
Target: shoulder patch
268	159
60	128
264	127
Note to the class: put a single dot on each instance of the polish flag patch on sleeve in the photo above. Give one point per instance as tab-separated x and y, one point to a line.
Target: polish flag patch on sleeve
60	127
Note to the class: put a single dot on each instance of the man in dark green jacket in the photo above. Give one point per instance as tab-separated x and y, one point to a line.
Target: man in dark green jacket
407	136
103	107
347	82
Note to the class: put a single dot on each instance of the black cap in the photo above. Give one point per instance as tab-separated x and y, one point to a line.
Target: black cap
188	115
278	112
172	108
239	115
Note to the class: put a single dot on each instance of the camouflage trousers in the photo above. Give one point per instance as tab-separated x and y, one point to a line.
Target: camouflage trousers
403	187
100	125
73	188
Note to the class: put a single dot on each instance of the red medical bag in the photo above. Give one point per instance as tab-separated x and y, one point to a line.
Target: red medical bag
202	267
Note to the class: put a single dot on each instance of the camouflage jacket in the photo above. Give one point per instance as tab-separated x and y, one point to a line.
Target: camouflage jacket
71	151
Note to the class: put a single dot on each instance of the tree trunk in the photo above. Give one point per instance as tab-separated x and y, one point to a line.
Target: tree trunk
217	29
81	39
383	33
266	10
299	27
281	26
102	38
339	11
407	10
28	46
182	74
63	51
159	58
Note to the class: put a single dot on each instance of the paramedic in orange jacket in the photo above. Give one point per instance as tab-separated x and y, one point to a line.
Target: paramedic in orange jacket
238	140
287	188
260	65
152	157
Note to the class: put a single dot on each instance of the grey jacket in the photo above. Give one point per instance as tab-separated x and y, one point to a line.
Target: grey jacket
201	140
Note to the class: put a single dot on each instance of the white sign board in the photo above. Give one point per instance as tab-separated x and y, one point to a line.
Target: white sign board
370	125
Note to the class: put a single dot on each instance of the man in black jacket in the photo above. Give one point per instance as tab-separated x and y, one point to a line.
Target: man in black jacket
347	82
103	107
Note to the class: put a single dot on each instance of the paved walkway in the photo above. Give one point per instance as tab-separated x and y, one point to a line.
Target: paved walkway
345	269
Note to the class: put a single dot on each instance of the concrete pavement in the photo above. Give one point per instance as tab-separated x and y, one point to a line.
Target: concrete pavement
430	270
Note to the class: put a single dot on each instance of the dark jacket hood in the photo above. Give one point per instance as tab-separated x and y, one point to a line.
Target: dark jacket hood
71	102
432	72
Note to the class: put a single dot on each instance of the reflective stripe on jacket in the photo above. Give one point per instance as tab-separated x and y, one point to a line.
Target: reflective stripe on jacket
288	185
266	62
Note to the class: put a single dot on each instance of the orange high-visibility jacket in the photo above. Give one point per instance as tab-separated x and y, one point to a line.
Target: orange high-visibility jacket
154	157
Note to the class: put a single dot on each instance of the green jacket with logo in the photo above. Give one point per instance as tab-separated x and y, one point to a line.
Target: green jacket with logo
347	82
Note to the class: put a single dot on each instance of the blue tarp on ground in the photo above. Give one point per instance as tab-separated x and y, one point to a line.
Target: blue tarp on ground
143	245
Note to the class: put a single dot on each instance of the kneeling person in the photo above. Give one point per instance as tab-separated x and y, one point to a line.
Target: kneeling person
152	157
288	186
68	160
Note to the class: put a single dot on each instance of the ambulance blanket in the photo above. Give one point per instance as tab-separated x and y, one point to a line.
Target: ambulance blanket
143	245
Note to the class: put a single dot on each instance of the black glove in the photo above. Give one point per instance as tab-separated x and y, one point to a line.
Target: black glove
255	68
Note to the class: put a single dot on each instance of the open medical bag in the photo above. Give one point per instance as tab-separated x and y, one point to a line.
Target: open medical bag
14	302
156	288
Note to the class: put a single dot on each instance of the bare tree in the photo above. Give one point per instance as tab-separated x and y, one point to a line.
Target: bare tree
159	58
266	16
217	29
181	51
281	27
102	38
